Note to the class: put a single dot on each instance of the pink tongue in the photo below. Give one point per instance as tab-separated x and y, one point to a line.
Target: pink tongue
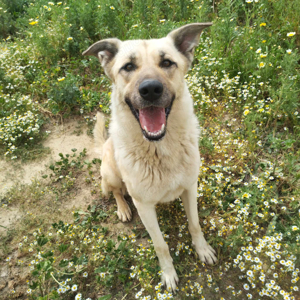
153	118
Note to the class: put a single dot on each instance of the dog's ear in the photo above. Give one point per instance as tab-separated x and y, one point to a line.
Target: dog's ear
105	51
186	38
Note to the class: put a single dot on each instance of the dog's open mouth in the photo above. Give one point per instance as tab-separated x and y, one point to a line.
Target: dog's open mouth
152	119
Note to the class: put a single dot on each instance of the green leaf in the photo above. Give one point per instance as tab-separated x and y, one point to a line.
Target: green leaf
82	212
83	260
34	285
205	213
62	248
45	297
145	234
106	297
42	241
99	269
63	263
122	245
47	254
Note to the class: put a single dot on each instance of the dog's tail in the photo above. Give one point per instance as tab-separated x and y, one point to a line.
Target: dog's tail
100	134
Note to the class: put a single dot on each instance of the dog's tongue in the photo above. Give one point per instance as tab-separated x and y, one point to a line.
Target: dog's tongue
153	118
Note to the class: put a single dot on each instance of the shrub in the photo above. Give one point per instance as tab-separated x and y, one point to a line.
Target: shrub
64	95
20	122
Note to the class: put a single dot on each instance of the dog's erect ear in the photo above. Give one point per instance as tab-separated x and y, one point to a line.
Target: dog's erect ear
186	38
105	51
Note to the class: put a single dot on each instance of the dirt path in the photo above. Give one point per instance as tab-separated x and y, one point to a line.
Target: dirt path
62	139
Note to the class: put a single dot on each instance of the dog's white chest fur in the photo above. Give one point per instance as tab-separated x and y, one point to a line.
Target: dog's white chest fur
157	177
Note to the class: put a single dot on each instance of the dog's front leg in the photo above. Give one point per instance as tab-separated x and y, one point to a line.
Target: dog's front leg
204	250
148	216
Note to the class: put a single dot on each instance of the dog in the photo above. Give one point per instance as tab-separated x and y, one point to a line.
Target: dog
152	151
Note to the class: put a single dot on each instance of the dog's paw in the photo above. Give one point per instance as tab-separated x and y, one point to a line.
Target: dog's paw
206	253
170	279
124	212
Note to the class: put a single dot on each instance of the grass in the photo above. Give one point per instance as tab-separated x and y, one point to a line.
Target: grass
245	85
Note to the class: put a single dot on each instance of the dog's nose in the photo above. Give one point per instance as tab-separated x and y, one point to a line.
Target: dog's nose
151	90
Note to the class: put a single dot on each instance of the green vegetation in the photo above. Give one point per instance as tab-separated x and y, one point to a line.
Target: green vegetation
245	83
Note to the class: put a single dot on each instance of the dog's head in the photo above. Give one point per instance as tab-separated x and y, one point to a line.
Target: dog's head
149	74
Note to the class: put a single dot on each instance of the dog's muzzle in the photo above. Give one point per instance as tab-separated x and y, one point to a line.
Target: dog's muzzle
152	117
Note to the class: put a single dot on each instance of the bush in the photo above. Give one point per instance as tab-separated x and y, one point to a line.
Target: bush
10	11
20	122
64	95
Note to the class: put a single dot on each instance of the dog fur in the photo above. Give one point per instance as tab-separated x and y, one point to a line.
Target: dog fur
159	166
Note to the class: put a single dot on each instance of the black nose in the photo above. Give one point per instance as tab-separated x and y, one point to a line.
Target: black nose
151	90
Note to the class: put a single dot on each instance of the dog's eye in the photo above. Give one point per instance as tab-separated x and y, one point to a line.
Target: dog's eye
166	63
129	67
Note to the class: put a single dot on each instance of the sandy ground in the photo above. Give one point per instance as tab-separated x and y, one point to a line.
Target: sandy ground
62	139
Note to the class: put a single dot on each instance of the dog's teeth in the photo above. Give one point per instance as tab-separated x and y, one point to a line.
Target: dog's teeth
155	134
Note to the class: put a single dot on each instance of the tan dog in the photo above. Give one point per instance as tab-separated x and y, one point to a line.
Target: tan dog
152	151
